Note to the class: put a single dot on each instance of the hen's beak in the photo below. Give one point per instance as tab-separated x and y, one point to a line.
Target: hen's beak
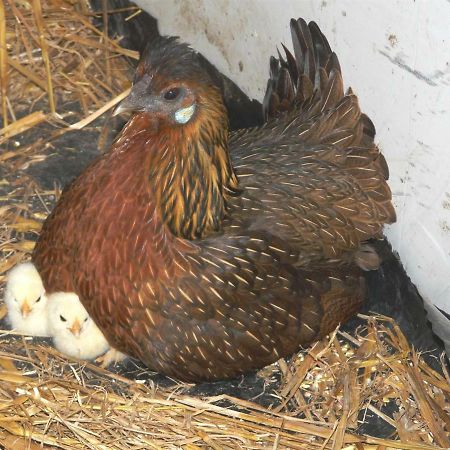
25	309
138	99
124	106
75	329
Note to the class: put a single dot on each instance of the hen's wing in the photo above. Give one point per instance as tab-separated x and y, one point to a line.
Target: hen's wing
312	174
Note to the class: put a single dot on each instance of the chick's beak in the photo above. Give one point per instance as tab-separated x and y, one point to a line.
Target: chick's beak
137	100
75	329
25	309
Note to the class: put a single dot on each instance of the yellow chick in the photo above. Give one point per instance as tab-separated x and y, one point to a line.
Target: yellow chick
26	300
73	331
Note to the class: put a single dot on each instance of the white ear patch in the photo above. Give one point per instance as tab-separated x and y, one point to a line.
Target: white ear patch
183	115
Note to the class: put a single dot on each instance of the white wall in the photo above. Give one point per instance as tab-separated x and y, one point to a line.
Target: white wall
396	56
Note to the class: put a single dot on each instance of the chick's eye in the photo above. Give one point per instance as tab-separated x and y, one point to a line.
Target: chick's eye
86	319
172	94
63	319
39	299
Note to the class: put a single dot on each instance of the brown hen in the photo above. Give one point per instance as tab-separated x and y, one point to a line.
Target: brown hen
207	254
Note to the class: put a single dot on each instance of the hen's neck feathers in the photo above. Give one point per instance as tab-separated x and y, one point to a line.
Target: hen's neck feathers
188	167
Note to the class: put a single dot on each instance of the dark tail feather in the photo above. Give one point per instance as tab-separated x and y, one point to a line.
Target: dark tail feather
309	77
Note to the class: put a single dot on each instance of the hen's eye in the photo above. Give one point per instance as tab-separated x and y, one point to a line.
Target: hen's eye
63	319
172	94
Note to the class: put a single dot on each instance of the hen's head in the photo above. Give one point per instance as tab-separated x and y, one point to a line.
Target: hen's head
177	104
171	85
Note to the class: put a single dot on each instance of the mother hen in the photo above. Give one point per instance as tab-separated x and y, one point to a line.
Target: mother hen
206	253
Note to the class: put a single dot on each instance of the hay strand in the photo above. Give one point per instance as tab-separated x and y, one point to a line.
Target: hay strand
37	9
28	74
87	120
3	65
105	32
21	125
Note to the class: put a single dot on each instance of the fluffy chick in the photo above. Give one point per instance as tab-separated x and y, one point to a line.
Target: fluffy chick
73	331
26	300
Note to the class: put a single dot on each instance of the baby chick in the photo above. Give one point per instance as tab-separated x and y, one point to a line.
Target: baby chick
74	333
26	300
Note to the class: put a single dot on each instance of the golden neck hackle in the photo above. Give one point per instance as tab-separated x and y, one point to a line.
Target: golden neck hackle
189	167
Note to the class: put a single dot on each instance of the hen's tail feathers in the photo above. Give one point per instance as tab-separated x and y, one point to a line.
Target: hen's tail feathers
342	301
342	292
310	79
